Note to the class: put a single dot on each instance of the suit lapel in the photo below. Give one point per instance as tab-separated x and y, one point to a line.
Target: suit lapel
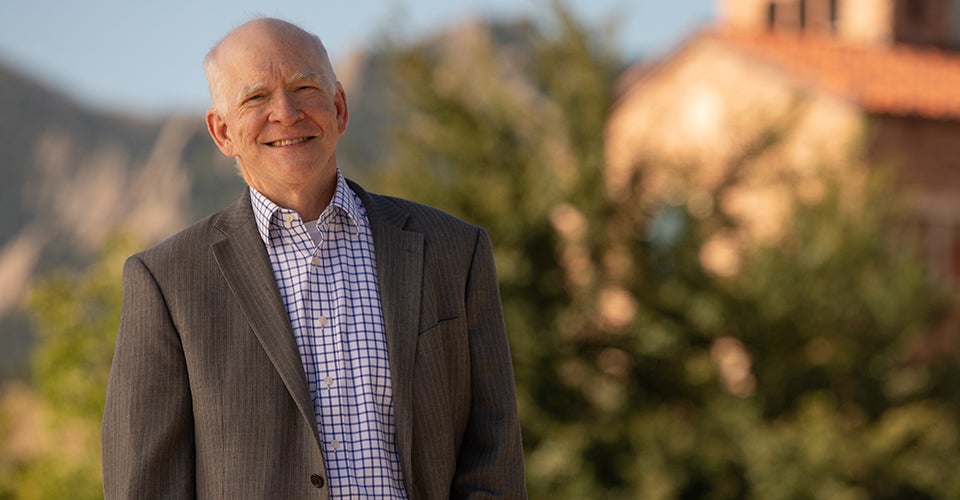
400	272
246	268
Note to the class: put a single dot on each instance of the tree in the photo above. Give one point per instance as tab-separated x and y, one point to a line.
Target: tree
642	373
76	317
501	125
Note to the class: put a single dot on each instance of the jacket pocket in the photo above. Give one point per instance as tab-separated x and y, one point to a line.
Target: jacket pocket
451	332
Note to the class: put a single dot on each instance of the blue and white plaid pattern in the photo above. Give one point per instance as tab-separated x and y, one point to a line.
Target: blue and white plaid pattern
332	297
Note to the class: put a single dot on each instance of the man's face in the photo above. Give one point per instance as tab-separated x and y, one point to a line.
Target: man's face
280	113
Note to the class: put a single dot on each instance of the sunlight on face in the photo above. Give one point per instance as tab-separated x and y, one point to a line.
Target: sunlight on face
278	110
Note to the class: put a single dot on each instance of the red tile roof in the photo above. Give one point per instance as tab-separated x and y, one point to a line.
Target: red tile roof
899	80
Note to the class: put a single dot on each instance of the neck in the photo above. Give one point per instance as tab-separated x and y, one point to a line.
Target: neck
307	200
308	204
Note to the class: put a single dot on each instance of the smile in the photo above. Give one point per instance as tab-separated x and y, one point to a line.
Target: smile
288	142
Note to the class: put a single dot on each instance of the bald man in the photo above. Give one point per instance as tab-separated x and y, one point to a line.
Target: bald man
312	340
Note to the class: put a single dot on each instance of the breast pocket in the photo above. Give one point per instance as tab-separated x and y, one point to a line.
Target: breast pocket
442	380
449	333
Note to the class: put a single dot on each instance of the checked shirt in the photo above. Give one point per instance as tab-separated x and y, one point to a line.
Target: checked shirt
326	273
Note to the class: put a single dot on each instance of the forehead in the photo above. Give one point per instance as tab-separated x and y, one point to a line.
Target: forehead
261	53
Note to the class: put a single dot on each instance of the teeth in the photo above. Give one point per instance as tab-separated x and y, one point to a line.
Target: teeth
288	142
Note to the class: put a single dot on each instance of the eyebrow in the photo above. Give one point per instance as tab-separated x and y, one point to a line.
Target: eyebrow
306	76
303	76
250	90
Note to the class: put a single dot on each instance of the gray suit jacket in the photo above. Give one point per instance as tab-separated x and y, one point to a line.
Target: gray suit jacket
208	398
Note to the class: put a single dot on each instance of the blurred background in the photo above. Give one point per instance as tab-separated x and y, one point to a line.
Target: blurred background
727	231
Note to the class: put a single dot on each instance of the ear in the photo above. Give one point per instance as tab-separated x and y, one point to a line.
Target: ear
217	127
343	114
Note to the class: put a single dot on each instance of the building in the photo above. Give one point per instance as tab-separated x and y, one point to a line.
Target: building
841	85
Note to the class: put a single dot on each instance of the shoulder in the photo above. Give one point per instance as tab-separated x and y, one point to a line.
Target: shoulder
414	216
192	243
186	241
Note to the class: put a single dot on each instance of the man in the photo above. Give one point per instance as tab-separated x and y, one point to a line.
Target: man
312	340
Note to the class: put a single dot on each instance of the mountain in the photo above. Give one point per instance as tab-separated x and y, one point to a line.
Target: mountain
72	176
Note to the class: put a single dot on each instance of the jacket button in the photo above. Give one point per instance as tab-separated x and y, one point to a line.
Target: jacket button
316	480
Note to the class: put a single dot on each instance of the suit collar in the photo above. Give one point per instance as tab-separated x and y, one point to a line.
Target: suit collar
246	268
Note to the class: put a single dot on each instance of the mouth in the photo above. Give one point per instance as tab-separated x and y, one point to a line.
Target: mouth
288	142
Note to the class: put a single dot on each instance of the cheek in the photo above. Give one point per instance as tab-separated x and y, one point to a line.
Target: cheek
244	135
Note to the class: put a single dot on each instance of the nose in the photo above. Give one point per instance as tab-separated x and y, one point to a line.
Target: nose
284	109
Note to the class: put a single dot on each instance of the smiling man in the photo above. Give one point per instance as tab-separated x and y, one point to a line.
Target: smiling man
312	340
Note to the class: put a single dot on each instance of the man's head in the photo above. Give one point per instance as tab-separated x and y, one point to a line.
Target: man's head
277	108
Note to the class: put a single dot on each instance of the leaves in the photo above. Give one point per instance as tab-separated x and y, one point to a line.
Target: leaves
642	372
76	317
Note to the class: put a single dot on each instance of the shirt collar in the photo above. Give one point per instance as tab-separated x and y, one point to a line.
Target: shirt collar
268	214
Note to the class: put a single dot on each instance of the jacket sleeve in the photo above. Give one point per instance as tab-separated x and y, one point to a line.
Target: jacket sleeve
147	431
491	456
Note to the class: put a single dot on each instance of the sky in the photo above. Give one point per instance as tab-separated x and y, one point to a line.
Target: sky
146	57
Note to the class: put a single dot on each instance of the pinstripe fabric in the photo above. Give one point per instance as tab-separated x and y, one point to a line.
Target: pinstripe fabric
208	397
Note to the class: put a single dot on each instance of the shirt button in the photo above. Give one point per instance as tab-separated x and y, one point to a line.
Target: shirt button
316	480
288	217
322	320
315	261
328	381
335	445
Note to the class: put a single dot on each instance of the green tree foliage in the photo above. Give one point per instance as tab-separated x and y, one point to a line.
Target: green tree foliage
812	373
76	317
